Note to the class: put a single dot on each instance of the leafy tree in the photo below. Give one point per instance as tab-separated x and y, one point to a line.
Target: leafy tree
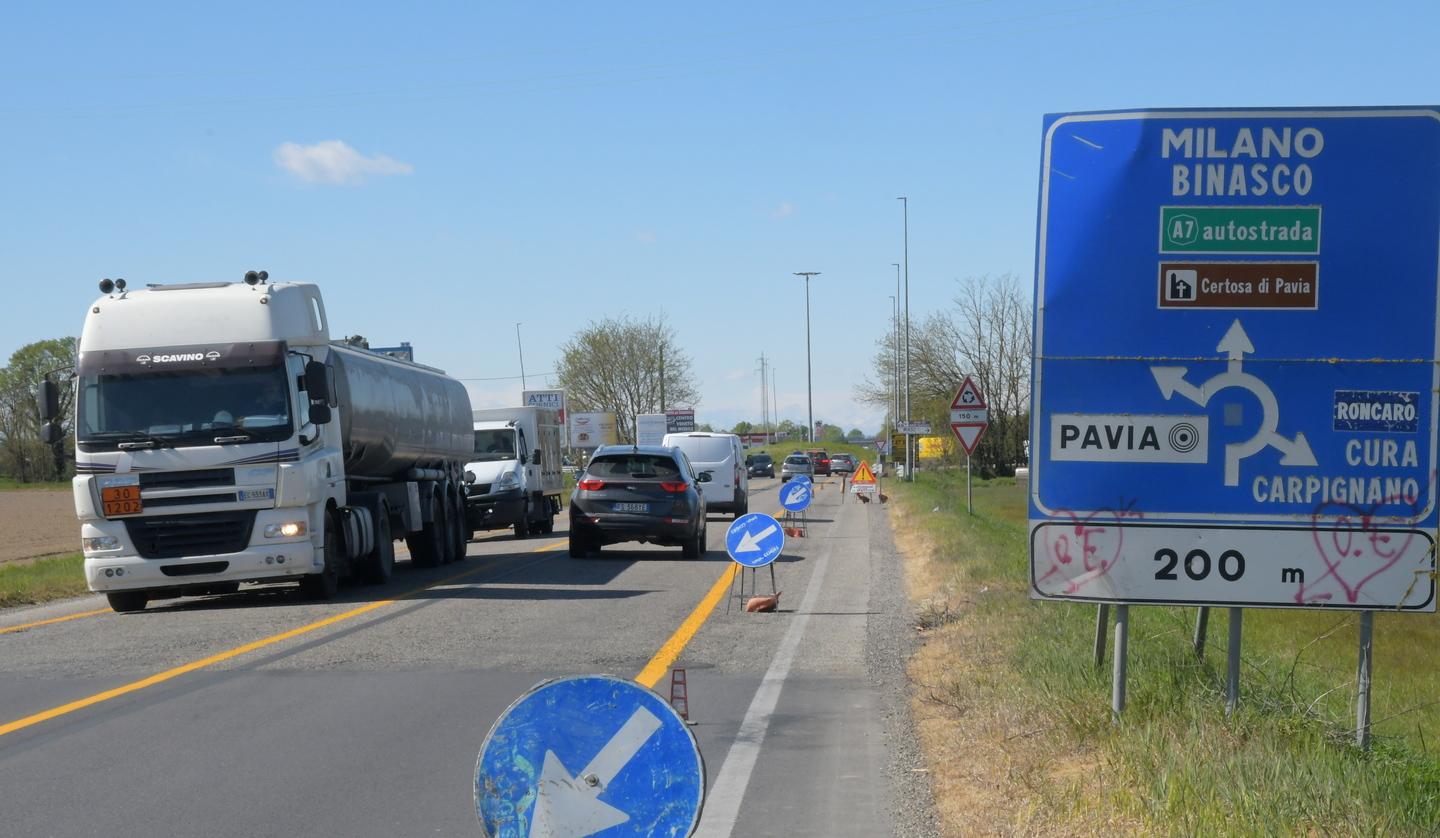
855	435
22	455
617	365
705	428
742	427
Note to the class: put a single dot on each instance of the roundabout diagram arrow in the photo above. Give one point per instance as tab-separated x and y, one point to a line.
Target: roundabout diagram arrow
1235	345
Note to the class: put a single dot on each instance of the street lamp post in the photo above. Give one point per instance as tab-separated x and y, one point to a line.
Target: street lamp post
895	363
809	393
520	346
909	447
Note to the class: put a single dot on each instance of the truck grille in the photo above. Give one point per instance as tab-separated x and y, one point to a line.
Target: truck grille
203	534
187	479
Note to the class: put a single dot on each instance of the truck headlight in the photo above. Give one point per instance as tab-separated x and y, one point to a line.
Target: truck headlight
288	529
104	542
508	480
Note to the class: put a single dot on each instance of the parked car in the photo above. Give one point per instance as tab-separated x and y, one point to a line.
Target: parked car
760	465
645	493
843	463
796	464
820	460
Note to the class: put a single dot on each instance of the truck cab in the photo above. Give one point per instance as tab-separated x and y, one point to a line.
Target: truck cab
513	479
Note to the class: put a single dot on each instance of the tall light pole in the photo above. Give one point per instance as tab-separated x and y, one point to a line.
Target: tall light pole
897	350
909	447
774	400
809	393
895	364
520	346
764	398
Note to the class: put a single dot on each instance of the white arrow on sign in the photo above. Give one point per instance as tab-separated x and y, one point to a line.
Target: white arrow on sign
797	494
750	541
570	807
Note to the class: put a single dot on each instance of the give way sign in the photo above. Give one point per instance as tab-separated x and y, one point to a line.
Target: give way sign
969	417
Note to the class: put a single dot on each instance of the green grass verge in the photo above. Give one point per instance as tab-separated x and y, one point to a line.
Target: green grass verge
41	580
1285	764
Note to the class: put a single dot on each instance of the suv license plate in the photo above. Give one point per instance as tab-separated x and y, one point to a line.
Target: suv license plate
632	507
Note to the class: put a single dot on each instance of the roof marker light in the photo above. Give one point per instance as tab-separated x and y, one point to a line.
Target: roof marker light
106	286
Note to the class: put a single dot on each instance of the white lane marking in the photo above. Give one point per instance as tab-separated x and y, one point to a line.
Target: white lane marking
722	804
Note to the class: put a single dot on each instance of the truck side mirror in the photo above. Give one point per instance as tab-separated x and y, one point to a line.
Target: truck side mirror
47	395
320	413
319	383
536	456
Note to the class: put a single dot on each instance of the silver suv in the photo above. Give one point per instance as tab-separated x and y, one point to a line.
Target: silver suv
796	464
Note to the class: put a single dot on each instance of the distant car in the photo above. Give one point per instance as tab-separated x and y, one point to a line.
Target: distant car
760	465
821	461
796	464
645	493
843	463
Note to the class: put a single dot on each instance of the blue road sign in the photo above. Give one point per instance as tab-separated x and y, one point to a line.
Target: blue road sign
754	540
796	495
1235	329
589	755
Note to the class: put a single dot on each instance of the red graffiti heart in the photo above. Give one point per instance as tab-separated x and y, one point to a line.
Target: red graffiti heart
1351	542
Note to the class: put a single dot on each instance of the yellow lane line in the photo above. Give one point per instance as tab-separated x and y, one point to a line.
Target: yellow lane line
671	649
169	674
23	626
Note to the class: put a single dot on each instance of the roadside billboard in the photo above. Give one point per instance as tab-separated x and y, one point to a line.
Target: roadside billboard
552	399
650	428
592	430
680	421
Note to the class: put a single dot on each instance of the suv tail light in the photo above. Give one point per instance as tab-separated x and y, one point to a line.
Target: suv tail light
591	485
674	488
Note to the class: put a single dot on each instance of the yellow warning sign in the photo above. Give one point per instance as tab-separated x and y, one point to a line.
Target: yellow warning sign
864	480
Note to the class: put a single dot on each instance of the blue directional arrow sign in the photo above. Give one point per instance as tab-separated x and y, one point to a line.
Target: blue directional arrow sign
796	495
1235	340
589	755
754	540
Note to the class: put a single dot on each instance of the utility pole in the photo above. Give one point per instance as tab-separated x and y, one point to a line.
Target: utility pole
662	377
895	361
521	347
809	390
774	401
909	445
764	398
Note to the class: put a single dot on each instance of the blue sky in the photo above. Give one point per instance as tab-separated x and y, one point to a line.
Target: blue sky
445	170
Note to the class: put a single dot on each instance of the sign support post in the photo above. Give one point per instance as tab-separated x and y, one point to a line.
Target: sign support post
969	488
1122	654
1362	681
1232	666
1102	624
1202	626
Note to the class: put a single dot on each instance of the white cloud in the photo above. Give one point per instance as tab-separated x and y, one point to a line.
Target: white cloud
784	210
334	162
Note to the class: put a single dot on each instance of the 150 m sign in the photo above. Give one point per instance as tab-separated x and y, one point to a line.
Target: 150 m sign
1360	565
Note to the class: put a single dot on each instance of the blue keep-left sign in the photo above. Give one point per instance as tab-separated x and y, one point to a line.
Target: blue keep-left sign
589	755
754	540
796	495
1234	391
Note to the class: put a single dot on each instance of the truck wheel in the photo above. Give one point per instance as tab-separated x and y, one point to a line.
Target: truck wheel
444	541
522	524
424	551
326	583
381	564
124	601
459	532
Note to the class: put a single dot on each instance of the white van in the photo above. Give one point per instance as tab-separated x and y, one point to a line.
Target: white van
720	455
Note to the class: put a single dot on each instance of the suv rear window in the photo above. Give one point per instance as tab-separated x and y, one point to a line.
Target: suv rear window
644	466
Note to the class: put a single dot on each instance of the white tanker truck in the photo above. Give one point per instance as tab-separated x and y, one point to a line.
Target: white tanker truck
222	438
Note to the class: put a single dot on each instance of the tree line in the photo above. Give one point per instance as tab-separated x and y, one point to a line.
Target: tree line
985	332
24	457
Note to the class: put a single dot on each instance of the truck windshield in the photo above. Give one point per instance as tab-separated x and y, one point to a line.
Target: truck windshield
497	444
191	406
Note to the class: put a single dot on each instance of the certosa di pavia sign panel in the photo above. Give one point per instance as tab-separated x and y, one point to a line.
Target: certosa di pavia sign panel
1235	378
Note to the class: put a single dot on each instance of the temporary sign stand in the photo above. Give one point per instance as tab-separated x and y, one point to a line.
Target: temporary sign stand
969	417
753	541
1245	440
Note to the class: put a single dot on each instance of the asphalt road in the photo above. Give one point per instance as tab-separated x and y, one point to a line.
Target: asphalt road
261	714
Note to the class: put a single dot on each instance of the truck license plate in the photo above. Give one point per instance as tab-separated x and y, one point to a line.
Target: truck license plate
120	500
632	507
257	494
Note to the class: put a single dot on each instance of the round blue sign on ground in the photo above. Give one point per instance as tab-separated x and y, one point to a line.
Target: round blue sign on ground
589	755
754	540
796	495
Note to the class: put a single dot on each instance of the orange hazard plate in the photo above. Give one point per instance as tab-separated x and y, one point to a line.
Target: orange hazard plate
120	500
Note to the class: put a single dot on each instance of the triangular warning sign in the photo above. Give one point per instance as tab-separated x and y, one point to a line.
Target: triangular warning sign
968	396
968	434
863	474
